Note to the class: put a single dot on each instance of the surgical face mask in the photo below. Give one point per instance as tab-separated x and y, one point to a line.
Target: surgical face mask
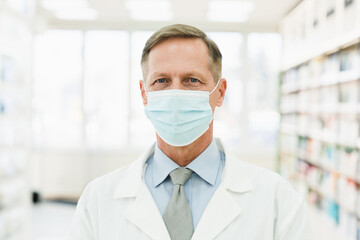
179	116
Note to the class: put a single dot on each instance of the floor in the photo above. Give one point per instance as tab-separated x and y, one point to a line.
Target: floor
51	220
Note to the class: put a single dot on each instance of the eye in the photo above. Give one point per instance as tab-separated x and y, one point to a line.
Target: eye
193	80
161	80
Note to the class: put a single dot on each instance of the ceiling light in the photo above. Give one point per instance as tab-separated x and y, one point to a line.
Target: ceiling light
64	4
241	6
230	11
77	14
149	10
150	16
226	17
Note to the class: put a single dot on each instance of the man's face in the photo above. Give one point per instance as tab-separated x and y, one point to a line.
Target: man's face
180	63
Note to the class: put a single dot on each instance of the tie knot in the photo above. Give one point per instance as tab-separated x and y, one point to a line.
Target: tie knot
180	175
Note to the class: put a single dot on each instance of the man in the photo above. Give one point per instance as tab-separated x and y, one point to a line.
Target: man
187	185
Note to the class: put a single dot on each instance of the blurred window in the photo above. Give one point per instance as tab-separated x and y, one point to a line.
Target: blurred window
57	99
106	89
81	91
264	51
227	124
141	131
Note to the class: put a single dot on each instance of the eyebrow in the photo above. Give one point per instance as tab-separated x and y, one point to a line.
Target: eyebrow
189	73
157	74
196	73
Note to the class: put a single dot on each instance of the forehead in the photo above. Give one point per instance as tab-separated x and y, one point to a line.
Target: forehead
180	47
179	57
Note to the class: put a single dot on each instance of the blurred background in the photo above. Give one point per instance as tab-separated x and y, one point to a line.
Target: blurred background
70	105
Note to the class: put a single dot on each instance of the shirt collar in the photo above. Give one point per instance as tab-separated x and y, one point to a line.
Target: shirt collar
206	165
162	166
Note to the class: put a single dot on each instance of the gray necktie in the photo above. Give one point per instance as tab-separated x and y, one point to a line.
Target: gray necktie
177	216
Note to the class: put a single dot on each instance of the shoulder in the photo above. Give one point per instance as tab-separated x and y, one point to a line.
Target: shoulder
257	174
106	184
267	181
271	182
123	179
261	179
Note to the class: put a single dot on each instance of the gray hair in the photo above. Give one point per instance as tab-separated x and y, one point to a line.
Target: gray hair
183	31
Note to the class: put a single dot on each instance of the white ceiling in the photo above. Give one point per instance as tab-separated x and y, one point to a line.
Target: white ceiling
113	14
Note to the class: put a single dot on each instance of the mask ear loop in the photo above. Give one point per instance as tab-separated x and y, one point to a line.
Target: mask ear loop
217	84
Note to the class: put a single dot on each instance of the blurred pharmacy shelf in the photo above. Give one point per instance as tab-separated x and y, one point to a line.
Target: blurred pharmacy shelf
319	132
15	117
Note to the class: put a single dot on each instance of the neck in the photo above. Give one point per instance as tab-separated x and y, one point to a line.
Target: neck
186	154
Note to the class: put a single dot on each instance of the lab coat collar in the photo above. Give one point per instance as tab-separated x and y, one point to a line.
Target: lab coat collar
129	185
234	177
207	164
220	212
163	166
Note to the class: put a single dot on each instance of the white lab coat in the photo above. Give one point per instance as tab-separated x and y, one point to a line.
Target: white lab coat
251	203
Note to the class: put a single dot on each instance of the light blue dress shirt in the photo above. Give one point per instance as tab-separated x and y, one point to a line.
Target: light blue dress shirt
207	170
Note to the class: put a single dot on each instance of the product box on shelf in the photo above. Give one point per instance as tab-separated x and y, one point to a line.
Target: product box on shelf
314	150
330	127
314	178
302	146
304	98
348	223
349	62
304	76
288	124
350	15
348	162
288	104
330	70
348	97
315	66
332	210
288	144
7	69
313	102
329	99
348	130
315	127
331	17
290	81
347	194
303	124
329	156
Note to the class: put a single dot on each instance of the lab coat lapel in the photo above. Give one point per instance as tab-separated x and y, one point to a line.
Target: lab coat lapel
145	215
220	212
222	209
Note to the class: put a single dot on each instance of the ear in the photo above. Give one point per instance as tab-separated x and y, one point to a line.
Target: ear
222	89
142	90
